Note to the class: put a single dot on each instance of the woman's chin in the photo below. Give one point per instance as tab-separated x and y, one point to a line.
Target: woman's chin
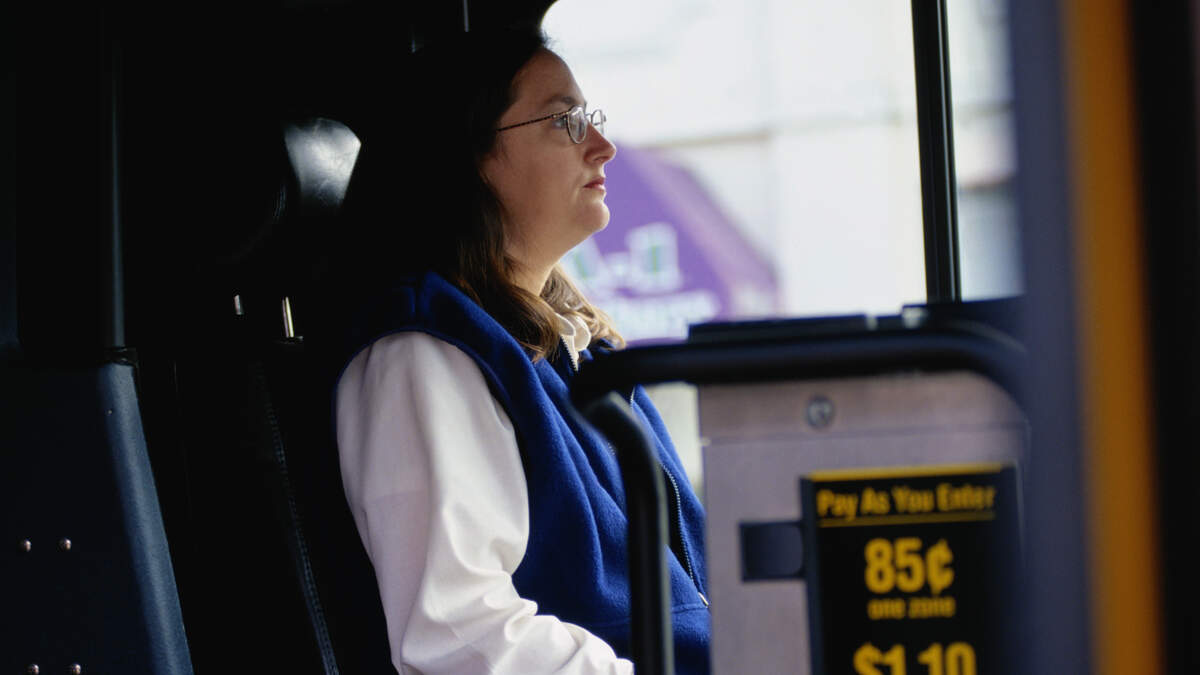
599	219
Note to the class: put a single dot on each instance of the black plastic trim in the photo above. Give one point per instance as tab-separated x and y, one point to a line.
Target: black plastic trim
759	361
935	128
773	550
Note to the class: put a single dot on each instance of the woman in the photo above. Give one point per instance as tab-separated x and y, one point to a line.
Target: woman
493	518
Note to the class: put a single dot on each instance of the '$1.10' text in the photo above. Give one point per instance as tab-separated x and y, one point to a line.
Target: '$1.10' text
958	658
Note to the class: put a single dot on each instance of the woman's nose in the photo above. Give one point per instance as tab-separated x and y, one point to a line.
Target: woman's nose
602	150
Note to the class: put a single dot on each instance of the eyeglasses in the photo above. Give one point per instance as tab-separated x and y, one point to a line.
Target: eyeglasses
575	120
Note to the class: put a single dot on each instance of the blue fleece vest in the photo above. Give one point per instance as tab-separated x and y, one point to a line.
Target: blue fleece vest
576	564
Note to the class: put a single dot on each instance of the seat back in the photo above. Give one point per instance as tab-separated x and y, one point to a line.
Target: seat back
274	568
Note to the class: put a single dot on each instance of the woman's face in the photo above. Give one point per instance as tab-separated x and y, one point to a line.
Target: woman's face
552	189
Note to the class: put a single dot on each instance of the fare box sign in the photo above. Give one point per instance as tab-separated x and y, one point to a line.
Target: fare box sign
912	571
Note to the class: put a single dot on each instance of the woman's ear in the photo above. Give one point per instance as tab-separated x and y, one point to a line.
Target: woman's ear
490	160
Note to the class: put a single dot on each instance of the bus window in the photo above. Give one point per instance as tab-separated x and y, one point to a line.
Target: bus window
767	158
989	247
767	165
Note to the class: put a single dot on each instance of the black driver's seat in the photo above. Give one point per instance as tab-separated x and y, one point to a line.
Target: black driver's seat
269	561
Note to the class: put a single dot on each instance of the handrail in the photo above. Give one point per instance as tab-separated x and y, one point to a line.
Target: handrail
646	511
952	345
757	360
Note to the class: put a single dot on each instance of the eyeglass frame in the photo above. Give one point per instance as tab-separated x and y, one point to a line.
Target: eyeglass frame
588	117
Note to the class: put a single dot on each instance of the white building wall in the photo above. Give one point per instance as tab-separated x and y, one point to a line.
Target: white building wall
799	116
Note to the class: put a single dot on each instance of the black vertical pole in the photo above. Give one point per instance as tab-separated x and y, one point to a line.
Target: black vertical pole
939	201
1055	636
1166	46
651	639
8	187
113	265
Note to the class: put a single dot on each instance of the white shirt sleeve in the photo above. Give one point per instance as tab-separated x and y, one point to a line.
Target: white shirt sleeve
433	476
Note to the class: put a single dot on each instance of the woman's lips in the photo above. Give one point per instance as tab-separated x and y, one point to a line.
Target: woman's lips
597	184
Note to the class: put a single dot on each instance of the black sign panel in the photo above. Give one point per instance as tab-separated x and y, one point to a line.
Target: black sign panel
912	571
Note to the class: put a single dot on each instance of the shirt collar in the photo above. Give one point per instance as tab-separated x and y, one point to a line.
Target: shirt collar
575	333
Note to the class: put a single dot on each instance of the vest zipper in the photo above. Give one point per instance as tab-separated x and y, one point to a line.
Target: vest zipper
570	354
687	558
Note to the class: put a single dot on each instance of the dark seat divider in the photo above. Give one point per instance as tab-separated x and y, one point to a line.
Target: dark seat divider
85	568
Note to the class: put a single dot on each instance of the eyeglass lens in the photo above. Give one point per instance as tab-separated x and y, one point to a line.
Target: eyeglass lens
578	123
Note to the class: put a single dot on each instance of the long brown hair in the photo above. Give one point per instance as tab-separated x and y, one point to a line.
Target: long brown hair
462	85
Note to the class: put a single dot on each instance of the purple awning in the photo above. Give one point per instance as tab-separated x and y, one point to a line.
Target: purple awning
669	256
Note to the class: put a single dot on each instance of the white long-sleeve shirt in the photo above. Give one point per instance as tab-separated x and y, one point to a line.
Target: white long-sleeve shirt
433	476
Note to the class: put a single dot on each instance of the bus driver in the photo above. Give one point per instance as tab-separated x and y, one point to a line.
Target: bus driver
495	520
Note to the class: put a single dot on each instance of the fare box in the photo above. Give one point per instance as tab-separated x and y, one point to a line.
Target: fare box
912	570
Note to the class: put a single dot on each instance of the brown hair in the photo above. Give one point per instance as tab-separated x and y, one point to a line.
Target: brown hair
463	85
531	320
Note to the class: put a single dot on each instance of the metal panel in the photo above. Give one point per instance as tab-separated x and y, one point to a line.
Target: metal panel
760	439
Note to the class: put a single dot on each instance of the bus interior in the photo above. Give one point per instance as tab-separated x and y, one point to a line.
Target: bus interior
913	283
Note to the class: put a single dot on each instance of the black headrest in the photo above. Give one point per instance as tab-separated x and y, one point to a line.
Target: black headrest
272	221
321	154
275	190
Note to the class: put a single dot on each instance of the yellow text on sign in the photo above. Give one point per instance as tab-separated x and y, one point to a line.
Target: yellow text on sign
958	658
918	607
945	498
899	564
